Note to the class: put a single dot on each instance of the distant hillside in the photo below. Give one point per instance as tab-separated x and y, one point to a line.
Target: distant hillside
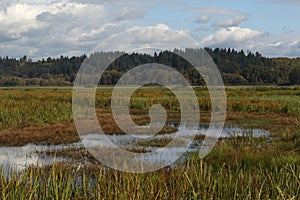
236	67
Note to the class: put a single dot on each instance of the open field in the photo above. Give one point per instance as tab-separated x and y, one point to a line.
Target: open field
242	167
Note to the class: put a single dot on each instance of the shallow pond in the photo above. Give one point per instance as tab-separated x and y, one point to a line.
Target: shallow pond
21	157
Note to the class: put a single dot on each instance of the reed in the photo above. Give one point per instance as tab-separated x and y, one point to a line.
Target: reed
194	179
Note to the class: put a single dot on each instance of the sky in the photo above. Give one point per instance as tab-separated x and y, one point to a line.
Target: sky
43	28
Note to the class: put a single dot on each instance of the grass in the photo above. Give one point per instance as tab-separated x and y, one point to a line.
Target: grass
154	142
24	107
60	133
237	168
194	179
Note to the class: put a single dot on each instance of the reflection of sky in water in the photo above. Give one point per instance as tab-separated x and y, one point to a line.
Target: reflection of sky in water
20	157
228	131
168	155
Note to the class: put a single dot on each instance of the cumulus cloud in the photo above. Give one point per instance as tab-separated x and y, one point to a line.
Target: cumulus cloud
283	45
148	40
228	32
276	45
73	27
230	36
51	28
19	18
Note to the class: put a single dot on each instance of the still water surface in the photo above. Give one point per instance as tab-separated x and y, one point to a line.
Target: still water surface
19	158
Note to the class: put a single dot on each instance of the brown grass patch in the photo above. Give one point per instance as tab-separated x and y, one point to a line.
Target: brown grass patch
39	134
64	133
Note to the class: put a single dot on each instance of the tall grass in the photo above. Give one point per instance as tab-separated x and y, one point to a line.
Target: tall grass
23	107
196	179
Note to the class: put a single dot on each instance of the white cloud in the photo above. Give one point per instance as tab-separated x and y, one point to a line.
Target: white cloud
51	28
215	11
226	24
276	44
286	45
203	19
129	13
230	36
231	22
279	45
159	37
162	26
19	18
219	17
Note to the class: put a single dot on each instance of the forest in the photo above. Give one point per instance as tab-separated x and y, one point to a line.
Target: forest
236	67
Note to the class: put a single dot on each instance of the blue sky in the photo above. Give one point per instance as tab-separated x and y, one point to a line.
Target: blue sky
72	27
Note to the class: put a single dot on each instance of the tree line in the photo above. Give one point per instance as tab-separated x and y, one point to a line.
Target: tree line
236	67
